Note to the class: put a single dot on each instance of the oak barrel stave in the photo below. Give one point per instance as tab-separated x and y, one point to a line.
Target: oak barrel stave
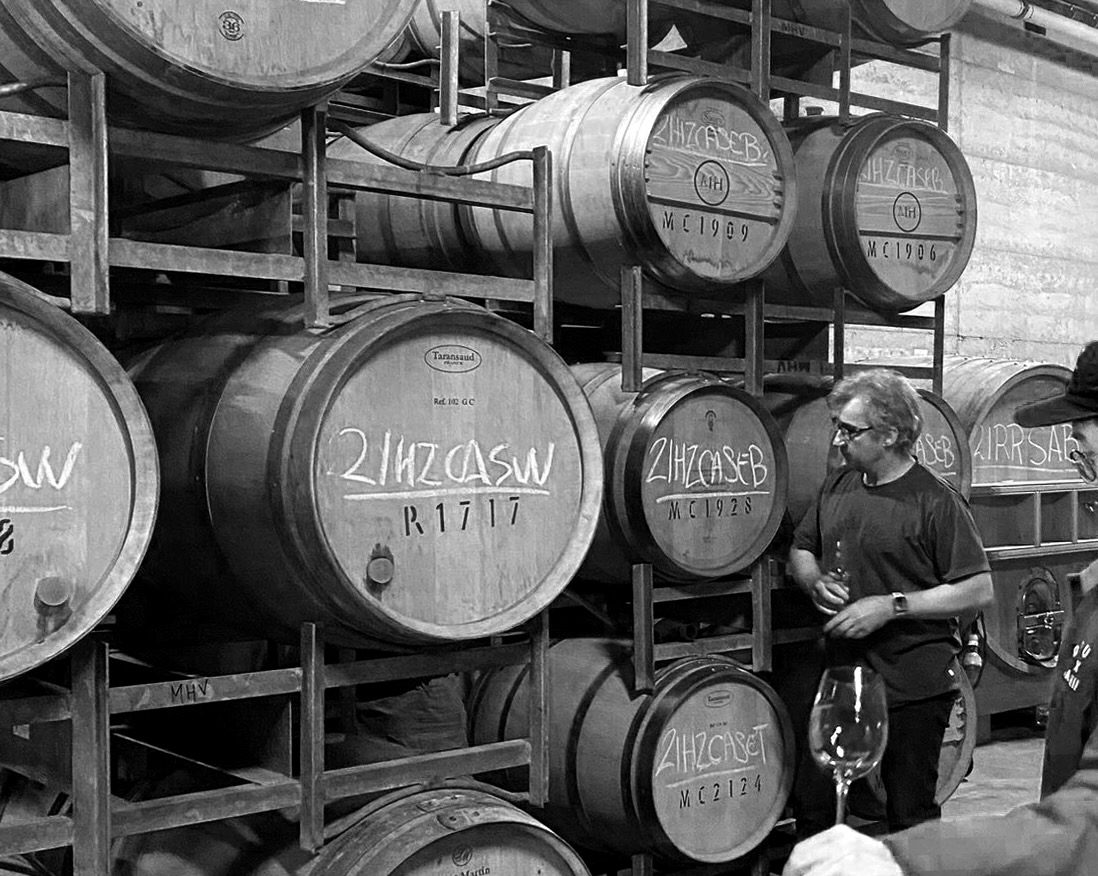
413	232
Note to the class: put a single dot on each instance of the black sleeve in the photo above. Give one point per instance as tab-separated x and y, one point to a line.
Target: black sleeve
956	545
1056	837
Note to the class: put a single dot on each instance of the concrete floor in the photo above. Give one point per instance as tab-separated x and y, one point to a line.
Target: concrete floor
1006	772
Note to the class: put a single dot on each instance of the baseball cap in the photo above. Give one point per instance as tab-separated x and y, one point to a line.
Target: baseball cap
1077	402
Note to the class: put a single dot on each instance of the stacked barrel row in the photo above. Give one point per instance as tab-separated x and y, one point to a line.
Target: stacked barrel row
426	472
696	182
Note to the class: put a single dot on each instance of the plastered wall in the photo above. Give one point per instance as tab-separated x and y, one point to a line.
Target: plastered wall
1025	114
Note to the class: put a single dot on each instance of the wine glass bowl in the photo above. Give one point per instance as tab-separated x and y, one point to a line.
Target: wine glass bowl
848	727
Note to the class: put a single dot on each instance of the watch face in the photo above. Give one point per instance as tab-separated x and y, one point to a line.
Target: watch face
899	603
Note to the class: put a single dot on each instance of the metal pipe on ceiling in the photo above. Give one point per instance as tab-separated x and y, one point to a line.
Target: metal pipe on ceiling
1058	28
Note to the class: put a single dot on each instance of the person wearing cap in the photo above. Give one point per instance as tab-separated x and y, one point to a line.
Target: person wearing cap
1057	835
912	561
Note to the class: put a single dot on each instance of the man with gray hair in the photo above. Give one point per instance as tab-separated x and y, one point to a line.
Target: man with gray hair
1057	835
911	563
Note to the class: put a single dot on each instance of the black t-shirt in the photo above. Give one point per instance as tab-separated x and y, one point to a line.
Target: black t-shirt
910	534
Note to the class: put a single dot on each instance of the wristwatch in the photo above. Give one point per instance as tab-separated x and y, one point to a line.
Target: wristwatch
899	603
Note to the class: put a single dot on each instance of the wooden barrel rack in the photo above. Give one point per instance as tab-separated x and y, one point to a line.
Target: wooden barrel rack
94	259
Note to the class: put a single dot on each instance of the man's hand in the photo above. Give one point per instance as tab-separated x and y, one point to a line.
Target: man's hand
841	851
829	594
860	618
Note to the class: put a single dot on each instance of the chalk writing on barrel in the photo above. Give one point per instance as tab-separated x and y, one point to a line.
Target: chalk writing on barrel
880	170
1008	445
412	469
21	475
936	452
691	753
692	465
739	147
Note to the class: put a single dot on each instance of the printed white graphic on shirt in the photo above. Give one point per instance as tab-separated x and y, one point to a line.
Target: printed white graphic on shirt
1079	653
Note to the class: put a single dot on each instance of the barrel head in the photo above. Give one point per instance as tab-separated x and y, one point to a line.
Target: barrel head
450	475
78	480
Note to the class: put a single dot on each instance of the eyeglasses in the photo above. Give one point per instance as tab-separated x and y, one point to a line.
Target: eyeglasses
1084	463
848	432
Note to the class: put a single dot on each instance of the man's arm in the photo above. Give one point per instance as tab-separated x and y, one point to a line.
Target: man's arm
870	613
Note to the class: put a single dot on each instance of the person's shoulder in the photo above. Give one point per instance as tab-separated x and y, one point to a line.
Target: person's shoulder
841	479
931	480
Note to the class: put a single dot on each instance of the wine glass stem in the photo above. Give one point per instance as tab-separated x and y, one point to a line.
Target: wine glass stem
841	787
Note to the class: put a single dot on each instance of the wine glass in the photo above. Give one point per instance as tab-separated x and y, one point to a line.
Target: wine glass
848	729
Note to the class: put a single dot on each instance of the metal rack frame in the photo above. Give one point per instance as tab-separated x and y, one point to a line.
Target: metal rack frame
97	817
91	252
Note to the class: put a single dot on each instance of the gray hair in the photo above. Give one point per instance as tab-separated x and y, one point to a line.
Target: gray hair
891	402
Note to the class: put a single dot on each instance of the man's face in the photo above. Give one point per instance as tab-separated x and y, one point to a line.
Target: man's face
1085	433
862	446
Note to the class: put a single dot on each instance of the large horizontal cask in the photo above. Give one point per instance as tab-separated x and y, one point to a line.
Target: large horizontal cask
196	67
422	472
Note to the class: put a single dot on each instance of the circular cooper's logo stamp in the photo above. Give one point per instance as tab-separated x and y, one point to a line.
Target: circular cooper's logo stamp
711	183
462	855
231	25
907	212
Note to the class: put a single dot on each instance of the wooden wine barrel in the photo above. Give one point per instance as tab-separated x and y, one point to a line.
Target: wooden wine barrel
413	232
695	475
985	393
698	770
448	830
195	66
412	832
799	404
422	472
902	22
422	39
78	480
517	58
887	210
1032	603
691	179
